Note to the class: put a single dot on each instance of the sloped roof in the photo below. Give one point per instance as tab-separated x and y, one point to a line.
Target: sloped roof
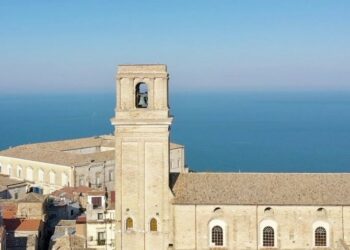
70	191
22	224
175	145
5	180
262	189
32	197
55	152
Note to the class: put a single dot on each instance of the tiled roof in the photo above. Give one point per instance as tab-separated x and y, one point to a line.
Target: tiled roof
262	189
5	180
97	192
81	219
69	192
22	224
32	197
56	152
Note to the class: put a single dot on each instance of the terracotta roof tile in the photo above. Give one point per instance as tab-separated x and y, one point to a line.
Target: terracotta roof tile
56	152
22	224
262	189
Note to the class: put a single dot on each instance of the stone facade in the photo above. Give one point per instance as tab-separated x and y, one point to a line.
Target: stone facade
100	222
294	226
50	166
49	177
203	211
142	158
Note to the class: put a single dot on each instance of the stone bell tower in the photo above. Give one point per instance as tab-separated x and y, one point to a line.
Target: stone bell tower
142	124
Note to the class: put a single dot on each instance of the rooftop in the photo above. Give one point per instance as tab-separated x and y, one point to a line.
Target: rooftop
32	197
6	181
262	189
70	192
75	152
22	224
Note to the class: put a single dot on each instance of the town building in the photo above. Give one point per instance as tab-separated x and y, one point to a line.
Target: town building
146	199
50	166
100	221
65	237
24	221
202	211
11	188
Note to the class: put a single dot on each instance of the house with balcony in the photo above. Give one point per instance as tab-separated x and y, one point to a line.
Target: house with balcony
100	220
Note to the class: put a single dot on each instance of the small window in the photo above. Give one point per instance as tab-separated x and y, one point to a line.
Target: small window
217	236
129	224
268	237
268	211
217	209
153	225
100	216
96	202
141	95
98	179
320	237
71	212
16	196
110	175
321	212
101	239
81	180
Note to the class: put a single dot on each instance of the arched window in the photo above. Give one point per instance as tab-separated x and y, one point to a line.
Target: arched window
217	233
268	237
41	175
217	236
320	237
141	95
153	226
52	176
9	170
29	174
129	224
64	179
19	172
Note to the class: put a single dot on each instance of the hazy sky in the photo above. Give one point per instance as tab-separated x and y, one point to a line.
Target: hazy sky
75	46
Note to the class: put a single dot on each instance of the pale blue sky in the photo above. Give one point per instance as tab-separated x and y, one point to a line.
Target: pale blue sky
75	46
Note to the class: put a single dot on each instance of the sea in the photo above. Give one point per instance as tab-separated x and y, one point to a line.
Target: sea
234	131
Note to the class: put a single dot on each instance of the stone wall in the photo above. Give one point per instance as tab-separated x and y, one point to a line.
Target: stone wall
294	226
31	171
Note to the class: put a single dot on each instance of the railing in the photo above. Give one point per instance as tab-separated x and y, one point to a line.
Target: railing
101	242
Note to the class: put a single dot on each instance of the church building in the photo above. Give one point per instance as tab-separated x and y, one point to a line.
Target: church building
157	209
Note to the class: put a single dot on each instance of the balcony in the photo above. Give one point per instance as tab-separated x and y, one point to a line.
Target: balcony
101	242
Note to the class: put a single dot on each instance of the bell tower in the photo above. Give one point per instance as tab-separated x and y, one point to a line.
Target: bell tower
142	127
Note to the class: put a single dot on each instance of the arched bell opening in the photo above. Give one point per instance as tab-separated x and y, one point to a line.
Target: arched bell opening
141	95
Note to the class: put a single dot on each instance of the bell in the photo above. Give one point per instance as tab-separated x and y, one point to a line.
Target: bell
143	99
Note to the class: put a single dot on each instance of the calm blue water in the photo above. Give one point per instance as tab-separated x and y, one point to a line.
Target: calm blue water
265	132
